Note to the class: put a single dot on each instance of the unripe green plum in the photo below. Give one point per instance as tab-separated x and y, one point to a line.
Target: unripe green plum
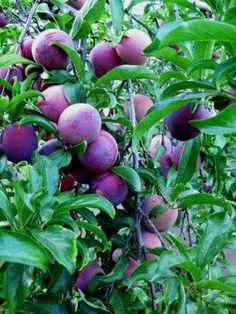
79	122
142	104
53	103
50	56
130	49
164	221
101	154
86	275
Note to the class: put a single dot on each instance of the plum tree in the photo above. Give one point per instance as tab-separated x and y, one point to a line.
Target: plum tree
132	266
165	163
18	143
178	121
150	241
86	275
104	58
101	154
49	56
49	147
26	48
130	49
142	104
53	103
76	4
79	122
4	19
109	185
176	155
163	221
160	140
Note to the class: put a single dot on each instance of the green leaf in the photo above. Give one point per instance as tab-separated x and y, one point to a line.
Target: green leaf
146	271
188	161
216	285
75	59
214	238
61	242
5	84
167	76
8	60
117	14
75	92
202	64
79	148
222	123
83	252
126	72
16	283
130	175
161	110
7	209
223	71
205	199
118	271
93	229
93	201
171	55
19	248
60	158
177	241
192	269
41	121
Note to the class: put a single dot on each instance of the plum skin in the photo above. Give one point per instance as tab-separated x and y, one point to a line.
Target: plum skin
132	266
79	122
19	143
164	221
101	154
142	104
130	49
157	141
49	147
4	19
17	72
26	48
51	57
54	102
176	156
178	122
104	58
76	4
86	275
150	241
165	163
110	186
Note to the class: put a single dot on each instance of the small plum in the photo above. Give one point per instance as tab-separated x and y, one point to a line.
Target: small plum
104	58
116	255
151	241
157	141
130	49
68	183
4	19
176	155
86	275
109	185
76	4
18	143
101	154
26	48
49	147
164	221
178	122
132	266
165	163
53	103
78	172
78	123
142	104
50	56
40	85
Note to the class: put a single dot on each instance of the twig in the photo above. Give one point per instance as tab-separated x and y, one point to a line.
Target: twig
150	32
189	232
83	49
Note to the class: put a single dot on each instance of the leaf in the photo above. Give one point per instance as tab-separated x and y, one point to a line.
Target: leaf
222	123
93	201
188	161
171	55
7	209
146	271
214	238
60	158
117	302
192	30
84	253
223	71
61	242
18	248
192	269
177	241
16	283
8	60
161	110
202	64
117	14
75	59
205	199
75	92
130	175
118	271
41	121
5	84
93	229
216	285
126	72
79	148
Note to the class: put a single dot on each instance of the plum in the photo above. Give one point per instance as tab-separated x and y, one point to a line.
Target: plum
178	122
150	241
109	185
53	103
104	58
68	183
164	221
76	4
142	104
165	163
176	155
157	141
116	255
4	19
130	49
78	123
49	147
132	265
49	56
78	172
86	275
17	72
18	143
101	154
26	48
